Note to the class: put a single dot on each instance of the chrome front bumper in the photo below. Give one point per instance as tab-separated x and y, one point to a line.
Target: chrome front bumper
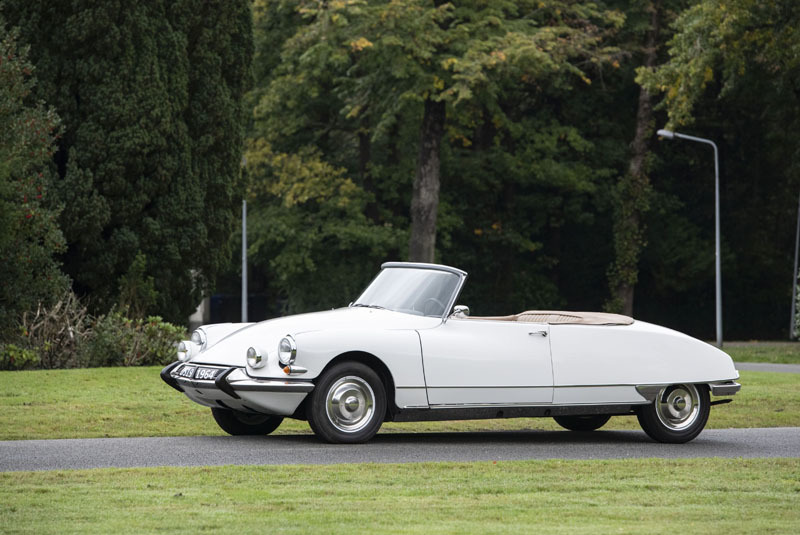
232	388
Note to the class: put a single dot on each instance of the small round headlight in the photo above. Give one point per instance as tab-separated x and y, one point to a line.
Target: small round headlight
199	338
184	352
254	358
287	350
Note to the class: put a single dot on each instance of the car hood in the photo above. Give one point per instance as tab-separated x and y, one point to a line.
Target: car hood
265	335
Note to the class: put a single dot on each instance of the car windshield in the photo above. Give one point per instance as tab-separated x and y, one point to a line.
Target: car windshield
425	292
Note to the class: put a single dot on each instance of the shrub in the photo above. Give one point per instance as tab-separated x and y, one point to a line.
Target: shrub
13	357
66	336
56	333
120	341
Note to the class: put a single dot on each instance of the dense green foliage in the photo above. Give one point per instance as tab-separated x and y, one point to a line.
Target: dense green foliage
733	75
29	235
548	193
148	166
344	102
510	139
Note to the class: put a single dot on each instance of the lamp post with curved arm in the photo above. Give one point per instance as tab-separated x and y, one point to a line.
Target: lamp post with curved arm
669	134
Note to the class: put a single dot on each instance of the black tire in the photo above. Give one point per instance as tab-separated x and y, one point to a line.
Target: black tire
348	404
242	423
677	415
582	423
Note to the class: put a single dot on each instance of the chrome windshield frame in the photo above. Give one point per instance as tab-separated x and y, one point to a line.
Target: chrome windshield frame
462	277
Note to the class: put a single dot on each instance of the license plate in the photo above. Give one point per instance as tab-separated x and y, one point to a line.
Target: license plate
187	372
206	374
198	373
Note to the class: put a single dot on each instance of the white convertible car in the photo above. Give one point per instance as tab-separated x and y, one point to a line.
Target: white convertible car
403	351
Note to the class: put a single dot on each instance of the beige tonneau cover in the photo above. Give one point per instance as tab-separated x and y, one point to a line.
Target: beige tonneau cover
561	317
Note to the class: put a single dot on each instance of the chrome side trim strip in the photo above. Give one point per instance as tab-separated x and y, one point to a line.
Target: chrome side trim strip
440	413
526	405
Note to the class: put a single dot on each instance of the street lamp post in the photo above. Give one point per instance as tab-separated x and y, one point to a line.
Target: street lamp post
669	134
244	261
792	325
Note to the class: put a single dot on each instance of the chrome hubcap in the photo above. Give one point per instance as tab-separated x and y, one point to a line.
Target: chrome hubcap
350	404
678	406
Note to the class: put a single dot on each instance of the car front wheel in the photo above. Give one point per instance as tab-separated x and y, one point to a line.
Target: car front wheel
242	423
582	423
677	415
348	404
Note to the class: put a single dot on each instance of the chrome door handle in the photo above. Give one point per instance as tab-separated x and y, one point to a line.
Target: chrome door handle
540	333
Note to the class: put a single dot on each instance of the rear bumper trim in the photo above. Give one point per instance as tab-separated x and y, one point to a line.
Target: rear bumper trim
728	388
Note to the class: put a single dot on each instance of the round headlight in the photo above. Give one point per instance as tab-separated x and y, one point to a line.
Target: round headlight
254	358
184	352
287	350
199	338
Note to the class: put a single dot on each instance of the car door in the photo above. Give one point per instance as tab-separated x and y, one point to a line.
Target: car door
487	362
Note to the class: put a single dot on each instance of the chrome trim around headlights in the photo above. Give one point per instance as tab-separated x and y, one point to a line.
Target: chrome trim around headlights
184	351
255	359
199	338
292	350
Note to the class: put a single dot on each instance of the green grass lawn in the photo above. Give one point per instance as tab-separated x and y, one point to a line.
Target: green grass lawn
774	352
621	496
122	402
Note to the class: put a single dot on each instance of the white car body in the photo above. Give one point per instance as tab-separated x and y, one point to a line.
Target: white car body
451	366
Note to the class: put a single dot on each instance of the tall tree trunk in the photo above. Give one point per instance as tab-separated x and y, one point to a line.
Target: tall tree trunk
634	190
364	159
425	196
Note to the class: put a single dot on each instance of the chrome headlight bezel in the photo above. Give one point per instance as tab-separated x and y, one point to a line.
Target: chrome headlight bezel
184	351
287	350
199	338
255	359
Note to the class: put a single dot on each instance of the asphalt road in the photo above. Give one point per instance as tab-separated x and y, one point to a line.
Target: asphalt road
767	367
388	448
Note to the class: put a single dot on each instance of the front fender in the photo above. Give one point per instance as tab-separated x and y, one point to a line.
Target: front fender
399	350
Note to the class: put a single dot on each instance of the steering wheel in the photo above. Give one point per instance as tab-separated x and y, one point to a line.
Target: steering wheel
436	302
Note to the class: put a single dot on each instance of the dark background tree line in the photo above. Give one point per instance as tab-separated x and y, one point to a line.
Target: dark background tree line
515	140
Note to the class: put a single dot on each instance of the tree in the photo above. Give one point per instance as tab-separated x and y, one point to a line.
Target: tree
722	42
348	87
732	69
455	56
150	96
646	33
29	236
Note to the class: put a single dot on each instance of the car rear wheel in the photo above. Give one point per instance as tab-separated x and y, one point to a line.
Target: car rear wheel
677	415
582	423
242	423
348	404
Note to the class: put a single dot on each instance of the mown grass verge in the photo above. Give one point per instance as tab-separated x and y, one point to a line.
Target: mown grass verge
619	496
124	402
772	352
